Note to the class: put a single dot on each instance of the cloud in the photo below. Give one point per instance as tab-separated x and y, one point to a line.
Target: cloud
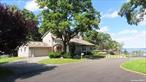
133	39
128	31
127	1
110	14
103	29
31	5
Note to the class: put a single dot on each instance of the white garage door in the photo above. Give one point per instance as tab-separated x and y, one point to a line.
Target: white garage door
40	52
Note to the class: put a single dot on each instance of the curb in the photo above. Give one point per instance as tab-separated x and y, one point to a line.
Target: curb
131	70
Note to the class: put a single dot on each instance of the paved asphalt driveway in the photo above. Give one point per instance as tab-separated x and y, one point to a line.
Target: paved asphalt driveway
102	70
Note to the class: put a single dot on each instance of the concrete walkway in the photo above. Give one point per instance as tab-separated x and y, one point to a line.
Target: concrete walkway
33	59
102	70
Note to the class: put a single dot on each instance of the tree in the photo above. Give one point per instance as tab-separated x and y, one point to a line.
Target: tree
66	18
134	11
14	28
125	52
102	40
34	34
91	36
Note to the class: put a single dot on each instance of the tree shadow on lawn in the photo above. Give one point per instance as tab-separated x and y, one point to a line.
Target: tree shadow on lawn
25	70
3	62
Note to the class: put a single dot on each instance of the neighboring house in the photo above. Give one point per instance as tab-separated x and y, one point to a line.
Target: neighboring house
52	43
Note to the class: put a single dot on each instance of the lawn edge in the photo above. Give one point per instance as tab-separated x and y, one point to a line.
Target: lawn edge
82	60
73	62
128	70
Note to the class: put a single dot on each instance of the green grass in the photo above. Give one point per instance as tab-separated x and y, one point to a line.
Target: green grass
59	61
138	65
8	59
4	73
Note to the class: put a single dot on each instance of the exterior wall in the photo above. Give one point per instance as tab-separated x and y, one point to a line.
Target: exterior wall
48	39
23	51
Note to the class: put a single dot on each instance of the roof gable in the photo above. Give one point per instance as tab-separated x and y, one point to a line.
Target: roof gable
45	34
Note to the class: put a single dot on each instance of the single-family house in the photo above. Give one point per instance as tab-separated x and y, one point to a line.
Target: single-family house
52	43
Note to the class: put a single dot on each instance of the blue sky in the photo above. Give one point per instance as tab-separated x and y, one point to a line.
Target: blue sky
117	27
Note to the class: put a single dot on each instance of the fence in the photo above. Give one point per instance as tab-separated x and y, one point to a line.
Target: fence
115	56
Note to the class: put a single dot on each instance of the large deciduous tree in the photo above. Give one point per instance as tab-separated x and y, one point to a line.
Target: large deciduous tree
66	18
134	11
14	28
102	40
34	34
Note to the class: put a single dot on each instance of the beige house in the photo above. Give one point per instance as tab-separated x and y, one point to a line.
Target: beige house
52	43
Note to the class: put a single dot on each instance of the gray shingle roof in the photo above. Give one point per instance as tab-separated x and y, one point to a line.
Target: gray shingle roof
37	44
81	42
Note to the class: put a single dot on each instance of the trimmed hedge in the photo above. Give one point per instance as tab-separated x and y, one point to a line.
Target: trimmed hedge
95	54
60	54
54	54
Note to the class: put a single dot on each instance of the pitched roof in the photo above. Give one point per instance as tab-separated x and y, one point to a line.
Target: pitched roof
37	44
45	34
74	40
81	42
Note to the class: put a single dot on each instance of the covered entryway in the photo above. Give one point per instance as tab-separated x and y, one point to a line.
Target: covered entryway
58	47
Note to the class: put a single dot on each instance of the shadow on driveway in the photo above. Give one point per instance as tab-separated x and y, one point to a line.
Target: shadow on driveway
24	70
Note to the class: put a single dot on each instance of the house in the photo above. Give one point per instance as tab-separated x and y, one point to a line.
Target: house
52	43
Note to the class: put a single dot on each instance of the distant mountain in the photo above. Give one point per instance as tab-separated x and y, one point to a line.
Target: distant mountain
134	49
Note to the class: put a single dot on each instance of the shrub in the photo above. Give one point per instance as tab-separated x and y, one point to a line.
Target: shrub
61	54
66	55
88	55
112	53
76	56
98	54
54	54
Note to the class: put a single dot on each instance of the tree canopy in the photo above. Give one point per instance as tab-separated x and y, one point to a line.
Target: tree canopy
14	28
134	11
102	40
66	18
34	34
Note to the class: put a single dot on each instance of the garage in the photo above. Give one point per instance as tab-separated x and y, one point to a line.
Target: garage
39	51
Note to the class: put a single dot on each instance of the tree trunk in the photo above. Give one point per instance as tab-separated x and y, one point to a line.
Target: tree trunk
66	47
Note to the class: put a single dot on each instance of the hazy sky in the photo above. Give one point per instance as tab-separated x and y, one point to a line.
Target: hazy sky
130	36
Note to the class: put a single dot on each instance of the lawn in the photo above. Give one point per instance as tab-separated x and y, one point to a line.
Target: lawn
8	59
138	65
59	61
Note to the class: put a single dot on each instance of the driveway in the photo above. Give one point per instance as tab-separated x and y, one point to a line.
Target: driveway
25	65
102	70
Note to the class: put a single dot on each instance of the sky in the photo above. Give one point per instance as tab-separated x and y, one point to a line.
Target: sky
130	36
